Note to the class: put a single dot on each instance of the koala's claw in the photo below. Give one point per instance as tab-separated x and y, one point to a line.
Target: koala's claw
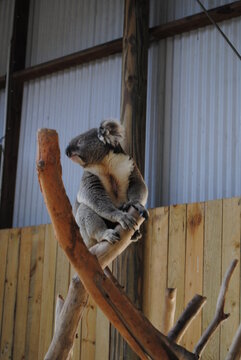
136	236
127	221
139	207
111	236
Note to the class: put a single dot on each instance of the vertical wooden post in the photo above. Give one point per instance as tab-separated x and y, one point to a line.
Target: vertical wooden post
14	92
128	267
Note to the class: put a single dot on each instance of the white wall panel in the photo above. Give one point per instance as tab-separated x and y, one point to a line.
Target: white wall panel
6	15
194	117
70	102
169	10
60	27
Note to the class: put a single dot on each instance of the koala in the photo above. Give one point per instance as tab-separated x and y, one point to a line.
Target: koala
110	184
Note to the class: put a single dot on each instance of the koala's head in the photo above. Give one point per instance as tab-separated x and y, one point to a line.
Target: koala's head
92	146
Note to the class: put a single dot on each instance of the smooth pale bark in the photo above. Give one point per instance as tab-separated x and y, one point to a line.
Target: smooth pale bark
169	310
191	311
219	315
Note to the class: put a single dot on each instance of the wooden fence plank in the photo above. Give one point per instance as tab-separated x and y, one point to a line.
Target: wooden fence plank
62	274
4	234
47	303
88	331
10	295
212	270
77	342
194	267
155	266
35	292
22	294
147	236
203	256
230	251
102	335
177	253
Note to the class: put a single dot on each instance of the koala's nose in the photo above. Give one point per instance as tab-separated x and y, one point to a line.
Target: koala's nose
68	151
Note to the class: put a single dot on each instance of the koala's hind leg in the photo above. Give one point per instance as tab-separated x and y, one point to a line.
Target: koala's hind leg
93	228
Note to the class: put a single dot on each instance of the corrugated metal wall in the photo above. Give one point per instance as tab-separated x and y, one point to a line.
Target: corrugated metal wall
194	106
169	10
60	27
193	132
6	16
70	102
74	25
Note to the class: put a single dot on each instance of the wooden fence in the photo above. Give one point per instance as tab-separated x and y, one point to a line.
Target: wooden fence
186	246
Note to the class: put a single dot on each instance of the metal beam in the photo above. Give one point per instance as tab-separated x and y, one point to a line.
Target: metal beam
186	24
13	114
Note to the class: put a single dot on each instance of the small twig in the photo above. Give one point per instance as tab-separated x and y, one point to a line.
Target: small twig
235	349
169	310
191	311
220	315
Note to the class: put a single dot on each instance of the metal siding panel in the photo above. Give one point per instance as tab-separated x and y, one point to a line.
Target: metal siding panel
59	27
169	10
6	17
70	102
202	117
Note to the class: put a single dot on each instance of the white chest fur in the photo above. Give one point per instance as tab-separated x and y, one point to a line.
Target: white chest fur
114	172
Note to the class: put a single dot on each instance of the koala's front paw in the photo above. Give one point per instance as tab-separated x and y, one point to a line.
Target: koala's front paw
126	220
138	206
111	236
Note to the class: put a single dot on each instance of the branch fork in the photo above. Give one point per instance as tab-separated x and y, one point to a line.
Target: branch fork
141	335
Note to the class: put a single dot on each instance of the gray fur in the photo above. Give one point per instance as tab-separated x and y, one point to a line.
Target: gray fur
111	183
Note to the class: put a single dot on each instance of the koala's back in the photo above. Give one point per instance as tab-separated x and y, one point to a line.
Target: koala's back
114	173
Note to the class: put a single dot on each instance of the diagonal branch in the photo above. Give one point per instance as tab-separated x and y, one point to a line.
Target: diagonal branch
137	330
73	307
189	314
219	315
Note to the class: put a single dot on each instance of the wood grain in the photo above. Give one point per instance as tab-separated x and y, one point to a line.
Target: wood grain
194	267
35	292
156	267
47	303
177	254
212	270
4	234
230	251
10	295
22	294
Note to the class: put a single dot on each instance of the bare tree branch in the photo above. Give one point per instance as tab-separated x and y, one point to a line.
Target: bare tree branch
219	316
107	252
73	310
134	327
235	349
67	321
191	311
169	310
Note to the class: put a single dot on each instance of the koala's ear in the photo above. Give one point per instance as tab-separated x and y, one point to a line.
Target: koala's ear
111	132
